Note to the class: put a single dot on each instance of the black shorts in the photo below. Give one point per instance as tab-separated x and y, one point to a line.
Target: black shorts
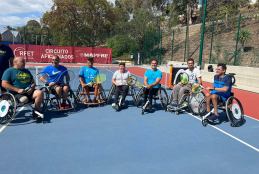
19	96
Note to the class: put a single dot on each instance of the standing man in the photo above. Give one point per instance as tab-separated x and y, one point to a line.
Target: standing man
86	75
55	71
152	79
193	74
6	56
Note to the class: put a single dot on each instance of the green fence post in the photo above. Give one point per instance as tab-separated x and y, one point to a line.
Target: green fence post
211	40
111	39
185	43
143	49
24	35
48	36
158	50
150	47
172	47
133	50
202	33
161	46
70	37
91	38
237	39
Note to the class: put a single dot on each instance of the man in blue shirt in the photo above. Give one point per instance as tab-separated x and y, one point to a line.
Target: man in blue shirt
152	79
56	84
16	79
6	56
86	75
221	90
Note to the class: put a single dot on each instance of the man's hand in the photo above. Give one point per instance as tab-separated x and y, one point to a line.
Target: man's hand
21	91
209	89
30	91
52	83
117	84
84	85
148	86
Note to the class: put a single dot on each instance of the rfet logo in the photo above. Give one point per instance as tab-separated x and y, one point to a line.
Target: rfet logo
21	52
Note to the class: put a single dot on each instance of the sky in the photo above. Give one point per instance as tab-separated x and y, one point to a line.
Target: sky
18	12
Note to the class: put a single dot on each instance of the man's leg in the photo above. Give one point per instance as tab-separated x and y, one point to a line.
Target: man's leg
87	92
146	92
176	90
152	91
208	97
38	96
65	92
96	91
58	90
182	92
117	90
215	103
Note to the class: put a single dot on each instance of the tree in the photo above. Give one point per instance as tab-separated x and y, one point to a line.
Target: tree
245	35
88	21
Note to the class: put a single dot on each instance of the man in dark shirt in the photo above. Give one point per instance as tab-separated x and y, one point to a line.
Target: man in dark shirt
6	55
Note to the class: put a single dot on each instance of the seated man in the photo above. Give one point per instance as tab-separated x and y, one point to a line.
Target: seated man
193	74
56	74
221	90
120	80
16	79
86	75
152	79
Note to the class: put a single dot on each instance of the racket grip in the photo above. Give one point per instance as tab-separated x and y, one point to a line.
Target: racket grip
26	89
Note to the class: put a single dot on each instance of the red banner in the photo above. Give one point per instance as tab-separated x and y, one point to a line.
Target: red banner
42	53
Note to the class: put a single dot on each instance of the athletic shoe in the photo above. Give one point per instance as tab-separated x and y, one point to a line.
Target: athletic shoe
64	105
115	106
95	101
212	118
90	101
149	107
207	113
122	104
34	116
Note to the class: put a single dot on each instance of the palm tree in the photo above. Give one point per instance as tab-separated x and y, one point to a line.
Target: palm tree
245	35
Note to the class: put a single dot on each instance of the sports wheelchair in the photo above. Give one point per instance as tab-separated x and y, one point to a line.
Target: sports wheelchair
161	95
9	104
232	106
82	96
55	103
131	92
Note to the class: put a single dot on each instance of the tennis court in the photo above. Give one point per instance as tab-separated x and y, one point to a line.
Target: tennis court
100	140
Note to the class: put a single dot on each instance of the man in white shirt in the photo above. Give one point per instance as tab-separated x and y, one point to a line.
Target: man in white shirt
193	73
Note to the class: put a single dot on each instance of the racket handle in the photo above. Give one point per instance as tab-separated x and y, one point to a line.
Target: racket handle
26	89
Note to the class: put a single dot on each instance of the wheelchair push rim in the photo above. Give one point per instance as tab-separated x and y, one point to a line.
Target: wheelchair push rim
194	101
235	112
163	98
8	108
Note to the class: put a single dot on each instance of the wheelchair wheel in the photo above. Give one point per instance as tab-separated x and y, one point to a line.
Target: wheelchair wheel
9	103
193	102
140	97
163	98
235	112
102	92
78	92
72	99
202	107
45	91
112	91
133	94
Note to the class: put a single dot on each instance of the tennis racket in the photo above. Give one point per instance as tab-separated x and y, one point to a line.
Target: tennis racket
98	78
184	78
36	79
196	88
132	81
58	78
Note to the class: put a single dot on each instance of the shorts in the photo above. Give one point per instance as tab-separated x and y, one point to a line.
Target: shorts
52	88
19	96
221	94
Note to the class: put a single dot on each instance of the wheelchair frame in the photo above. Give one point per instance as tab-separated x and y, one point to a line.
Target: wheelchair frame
82	96
131	92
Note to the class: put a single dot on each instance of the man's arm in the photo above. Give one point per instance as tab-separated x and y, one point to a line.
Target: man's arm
145	81
11	61
6	84
67	78
156	82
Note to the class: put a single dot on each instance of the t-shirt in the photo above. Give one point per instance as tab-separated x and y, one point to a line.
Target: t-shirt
225	81
18	78
55	74
87	74
5	54
121	78
152	76
193	75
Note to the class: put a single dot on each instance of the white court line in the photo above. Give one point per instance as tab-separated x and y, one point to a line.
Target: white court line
226	133
252	118
4	126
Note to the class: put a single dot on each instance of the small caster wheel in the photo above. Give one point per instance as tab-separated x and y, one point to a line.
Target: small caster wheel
142	112
204	123
74	109
176	113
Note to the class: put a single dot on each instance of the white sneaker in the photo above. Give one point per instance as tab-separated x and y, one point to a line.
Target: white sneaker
115	106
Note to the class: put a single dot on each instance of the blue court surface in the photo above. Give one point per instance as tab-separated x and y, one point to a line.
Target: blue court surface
100	140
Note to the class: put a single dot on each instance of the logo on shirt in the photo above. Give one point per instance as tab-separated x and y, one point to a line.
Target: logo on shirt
54	73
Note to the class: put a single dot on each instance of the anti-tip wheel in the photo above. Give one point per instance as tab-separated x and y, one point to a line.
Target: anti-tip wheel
142	112
204	123
176	113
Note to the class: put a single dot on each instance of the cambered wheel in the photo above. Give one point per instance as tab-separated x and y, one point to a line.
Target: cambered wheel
193	103
8	106
235	112
140	97
112	91
163	98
